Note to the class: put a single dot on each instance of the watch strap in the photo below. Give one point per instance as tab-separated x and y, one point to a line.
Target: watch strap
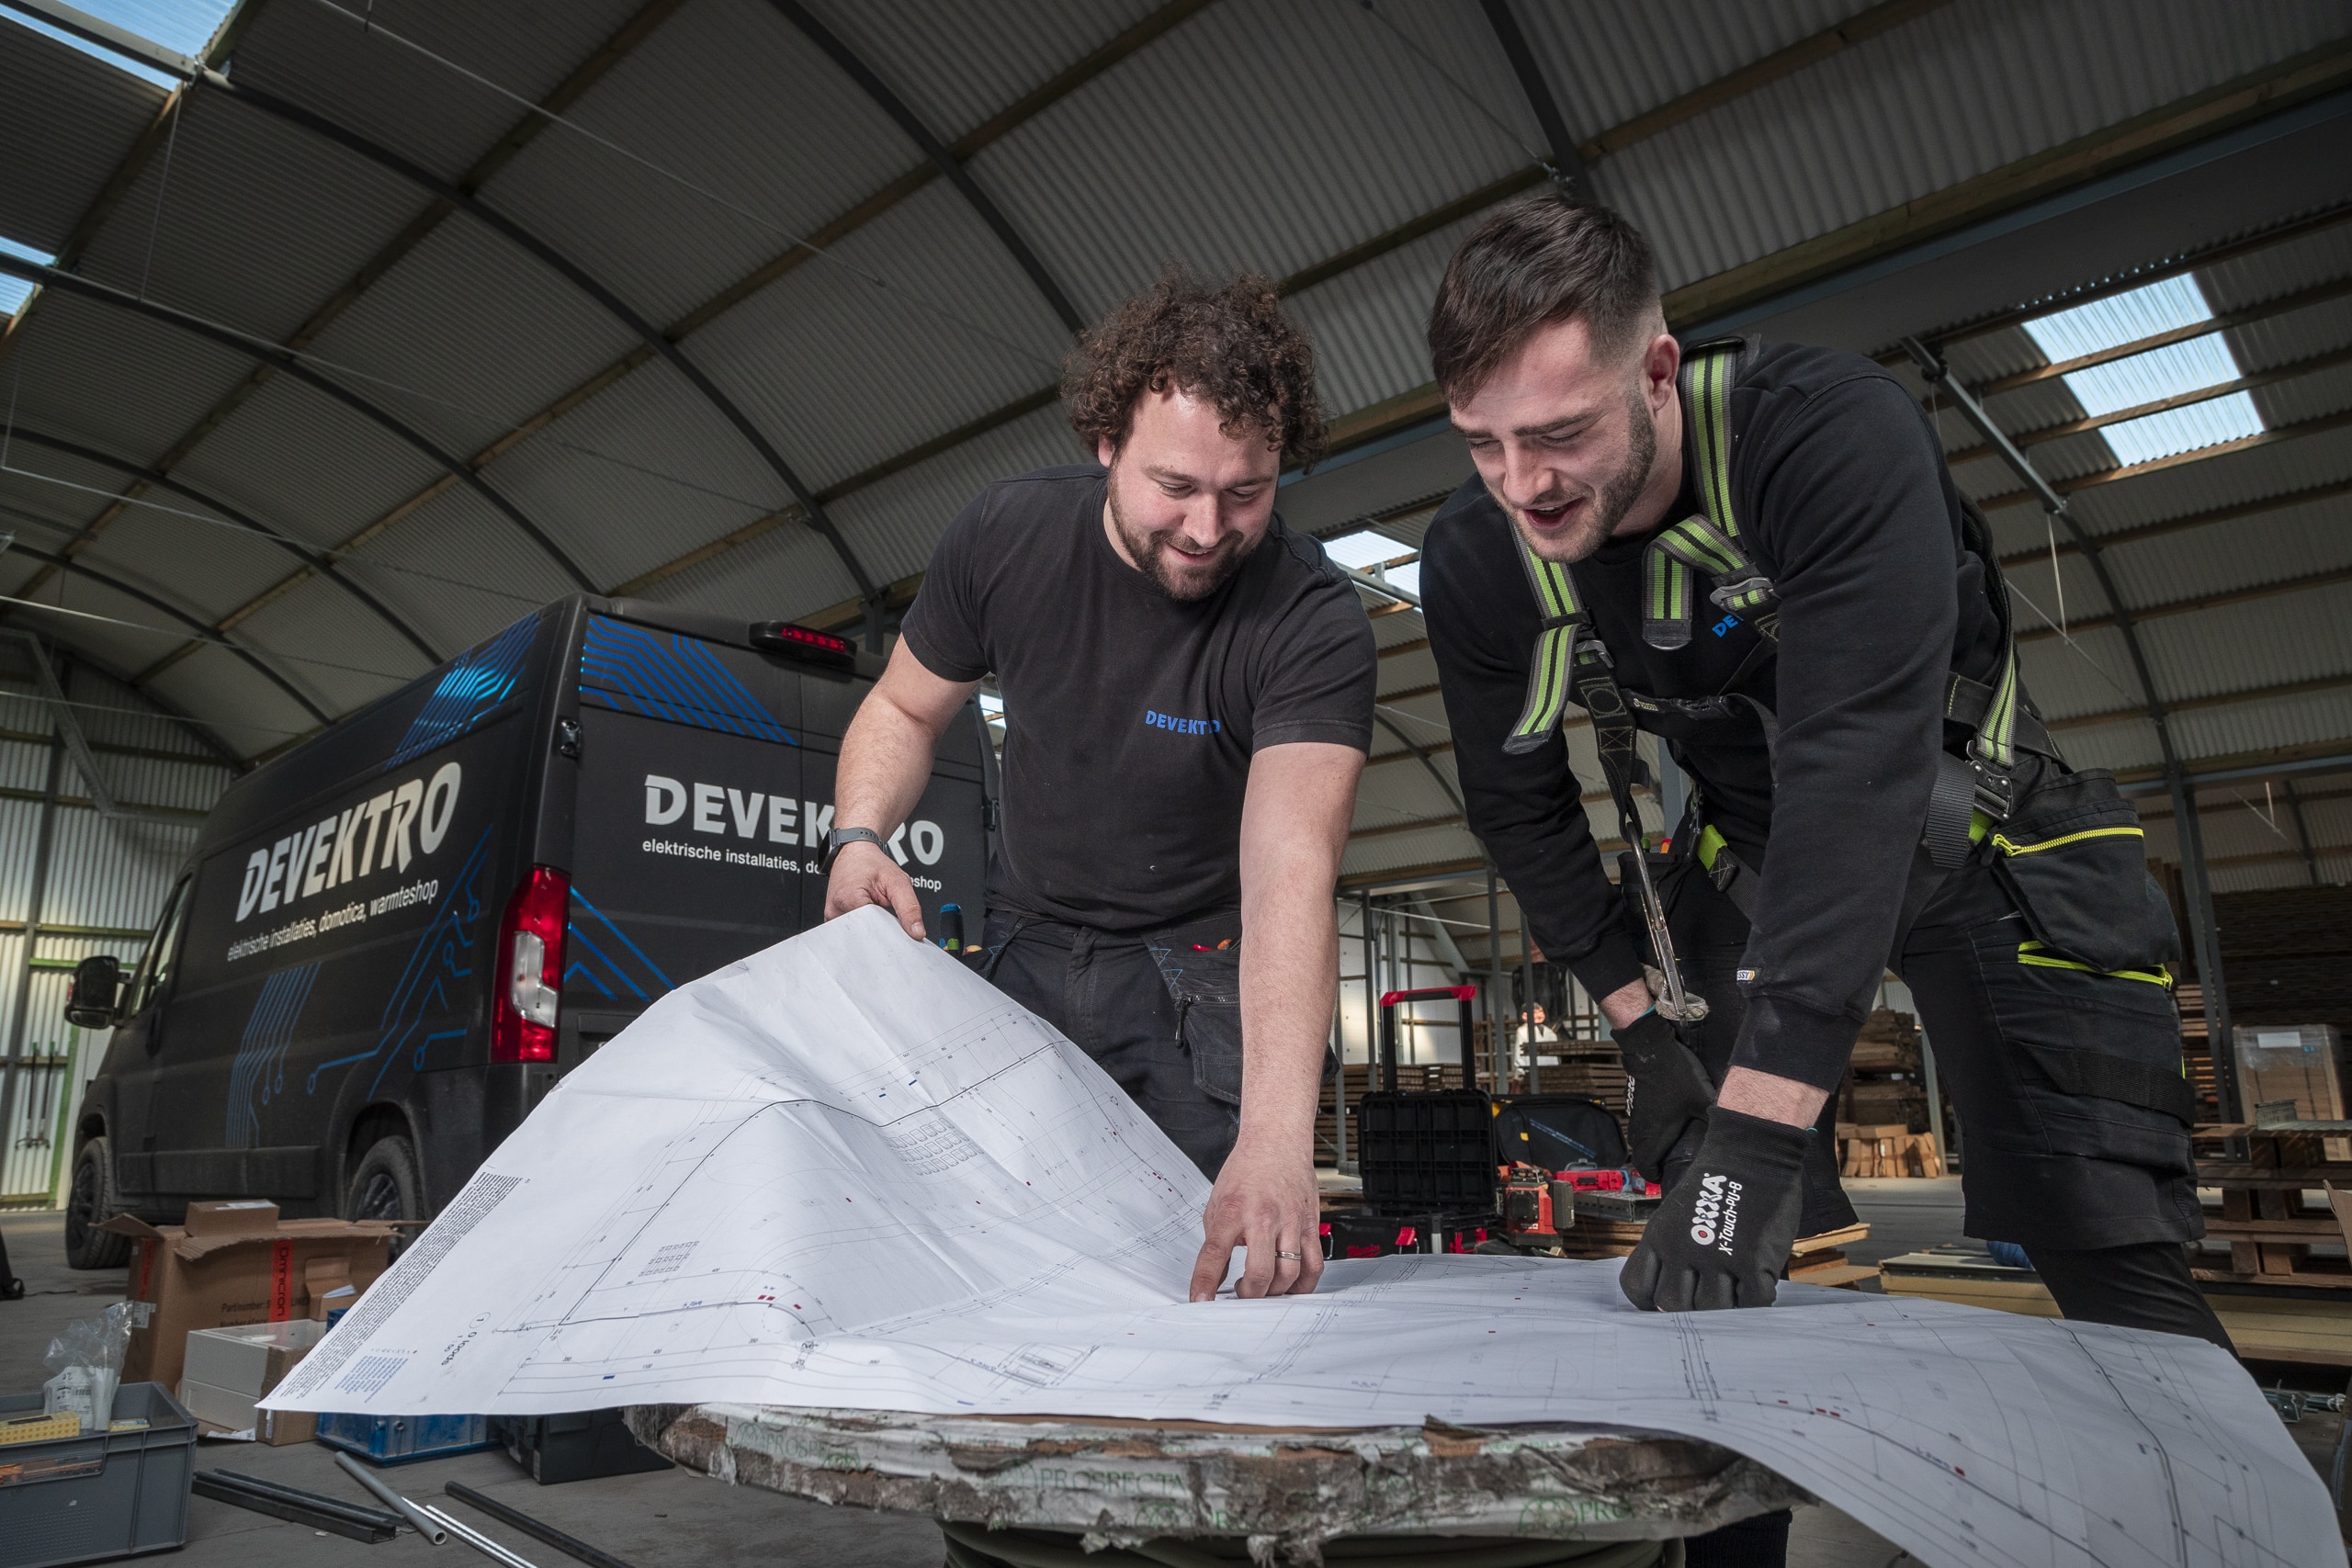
838	839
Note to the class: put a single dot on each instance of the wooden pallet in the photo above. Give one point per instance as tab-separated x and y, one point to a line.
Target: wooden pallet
2269	1222
1888	1149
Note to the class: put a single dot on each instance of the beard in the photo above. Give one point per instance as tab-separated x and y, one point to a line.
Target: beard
1179	575
1608	508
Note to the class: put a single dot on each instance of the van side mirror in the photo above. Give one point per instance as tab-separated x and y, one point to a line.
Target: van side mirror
96	990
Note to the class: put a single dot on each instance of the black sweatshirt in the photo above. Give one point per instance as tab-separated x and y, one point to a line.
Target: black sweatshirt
1842	499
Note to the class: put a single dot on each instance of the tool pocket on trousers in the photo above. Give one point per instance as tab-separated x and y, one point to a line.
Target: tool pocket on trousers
2097	1053
1201	964
2073	859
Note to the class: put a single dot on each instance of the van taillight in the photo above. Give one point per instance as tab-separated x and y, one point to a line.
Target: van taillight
530	965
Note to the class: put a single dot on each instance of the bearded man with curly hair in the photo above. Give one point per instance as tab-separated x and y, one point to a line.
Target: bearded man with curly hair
1188	690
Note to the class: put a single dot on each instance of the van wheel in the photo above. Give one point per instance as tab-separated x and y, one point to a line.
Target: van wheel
91	1204
385	1186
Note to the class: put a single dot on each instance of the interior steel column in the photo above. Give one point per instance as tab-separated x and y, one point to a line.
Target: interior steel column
1371	996
1494	983
14	1070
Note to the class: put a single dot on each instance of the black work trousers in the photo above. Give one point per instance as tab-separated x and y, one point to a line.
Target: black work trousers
2100	1192
1160	1014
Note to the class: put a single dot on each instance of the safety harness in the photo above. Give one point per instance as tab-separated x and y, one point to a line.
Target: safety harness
1974	785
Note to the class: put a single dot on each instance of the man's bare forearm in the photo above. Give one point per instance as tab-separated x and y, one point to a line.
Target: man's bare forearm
886	756
1294	832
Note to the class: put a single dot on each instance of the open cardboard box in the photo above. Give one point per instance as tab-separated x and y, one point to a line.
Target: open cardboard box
236	1262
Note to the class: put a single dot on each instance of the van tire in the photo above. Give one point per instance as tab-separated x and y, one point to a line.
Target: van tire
90	1204
385	1185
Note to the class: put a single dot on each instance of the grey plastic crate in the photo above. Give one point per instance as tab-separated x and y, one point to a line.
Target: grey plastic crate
102	1495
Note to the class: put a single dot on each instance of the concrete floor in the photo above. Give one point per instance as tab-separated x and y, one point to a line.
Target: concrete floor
673	1516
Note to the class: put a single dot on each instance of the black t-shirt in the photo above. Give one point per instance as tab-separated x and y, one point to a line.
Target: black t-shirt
1842	499
1131	717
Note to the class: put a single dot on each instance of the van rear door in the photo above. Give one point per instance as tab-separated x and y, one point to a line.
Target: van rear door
703	798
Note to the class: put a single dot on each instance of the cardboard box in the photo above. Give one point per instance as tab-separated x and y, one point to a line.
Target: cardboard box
2297	1062
229	1369
236	1263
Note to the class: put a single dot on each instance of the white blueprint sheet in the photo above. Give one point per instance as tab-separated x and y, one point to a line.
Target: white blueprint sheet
846	1172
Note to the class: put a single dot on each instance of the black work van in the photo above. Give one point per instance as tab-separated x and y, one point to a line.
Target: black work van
391	940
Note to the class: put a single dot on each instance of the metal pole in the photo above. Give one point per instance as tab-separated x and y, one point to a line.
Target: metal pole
15	1069
2195	883
1339	1091
2302	833
1495	982
2206	932
1527	978
1371	994
1935	1099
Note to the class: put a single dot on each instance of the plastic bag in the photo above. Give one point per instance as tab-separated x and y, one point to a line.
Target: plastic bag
88	1360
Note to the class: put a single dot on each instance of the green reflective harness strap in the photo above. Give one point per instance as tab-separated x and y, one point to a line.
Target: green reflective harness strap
1548	679
1706	542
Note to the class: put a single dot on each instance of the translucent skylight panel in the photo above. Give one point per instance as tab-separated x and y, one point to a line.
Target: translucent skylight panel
1406	577
2124	318
184	26
2231	417
15	290
2159	372
1364	550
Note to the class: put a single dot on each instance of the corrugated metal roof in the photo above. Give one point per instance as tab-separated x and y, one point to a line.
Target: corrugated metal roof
893	524
1172	154
641	474
958	65
66	122
703	104
1963	89
1609	61
1368	325
323	57
816	357
113	381
243	196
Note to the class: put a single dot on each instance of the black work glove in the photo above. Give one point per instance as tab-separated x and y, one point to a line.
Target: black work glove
1669	1091
1722	1236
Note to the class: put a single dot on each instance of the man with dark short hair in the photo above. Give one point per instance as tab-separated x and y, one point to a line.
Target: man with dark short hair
1755	553
1188	691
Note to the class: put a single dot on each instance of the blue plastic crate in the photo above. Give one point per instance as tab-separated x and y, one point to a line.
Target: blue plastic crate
392	1439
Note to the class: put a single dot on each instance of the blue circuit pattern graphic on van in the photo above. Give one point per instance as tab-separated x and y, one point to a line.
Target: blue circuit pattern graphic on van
259	1073
476	684
600	956
422	1012
632	670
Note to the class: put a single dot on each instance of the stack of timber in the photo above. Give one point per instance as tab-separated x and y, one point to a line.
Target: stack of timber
1813	1260
1590	1067
2266	1323
2197	1051
1888	1148
1884	1084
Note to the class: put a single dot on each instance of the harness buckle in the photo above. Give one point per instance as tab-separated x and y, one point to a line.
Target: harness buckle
1747	593
1996	790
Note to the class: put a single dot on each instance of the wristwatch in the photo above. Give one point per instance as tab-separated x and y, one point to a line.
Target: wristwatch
839	839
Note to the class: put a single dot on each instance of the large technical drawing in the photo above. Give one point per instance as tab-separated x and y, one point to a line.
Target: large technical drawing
846	1172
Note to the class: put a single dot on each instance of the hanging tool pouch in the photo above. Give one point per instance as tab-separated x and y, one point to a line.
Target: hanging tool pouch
1201	964
2072	857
